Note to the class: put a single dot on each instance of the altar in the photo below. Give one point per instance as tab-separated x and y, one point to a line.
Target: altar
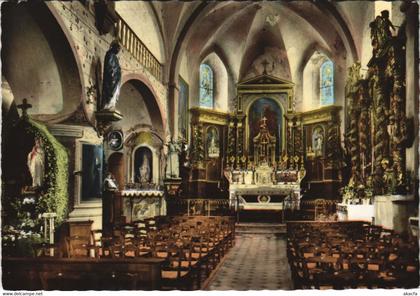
260	190
137	204
265	161
268	185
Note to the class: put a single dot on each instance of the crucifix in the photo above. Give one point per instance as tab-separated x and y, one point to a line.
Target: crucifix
24	106
265	64
263	122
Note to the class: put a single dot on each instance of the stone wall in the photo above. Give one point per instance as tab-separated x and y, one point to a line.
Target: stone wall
78	24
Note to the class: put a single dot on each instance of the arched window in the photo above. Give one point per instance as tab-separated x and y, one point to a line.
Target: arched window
326	91
206	86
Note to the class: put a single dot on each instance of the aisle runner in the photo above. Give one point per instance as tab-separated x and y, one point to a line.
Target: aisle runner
256	262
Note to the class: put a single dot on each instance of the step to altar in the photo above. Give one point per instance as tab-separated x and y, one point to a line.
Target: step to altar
260	228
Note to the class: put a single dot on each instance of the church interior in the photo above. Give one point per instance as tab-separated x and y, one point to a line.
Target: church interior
226	145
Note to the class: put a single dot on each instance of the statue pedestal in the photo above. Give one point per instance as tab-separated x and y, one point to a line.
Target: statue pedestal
172	186
108	115
105	118
393	211
108	218
198	182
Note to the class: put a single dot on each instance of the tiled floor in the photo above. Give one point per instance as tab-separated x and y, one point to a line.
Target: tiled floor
256	262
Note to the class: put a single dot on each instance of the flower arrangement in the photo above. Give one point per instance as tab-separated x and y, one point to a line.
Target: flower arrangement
18	240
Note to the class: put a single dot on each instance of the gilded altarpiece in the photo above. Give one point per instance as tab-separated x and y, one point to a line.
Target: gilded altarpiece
209	130
263	170
260	99
321	147
377	130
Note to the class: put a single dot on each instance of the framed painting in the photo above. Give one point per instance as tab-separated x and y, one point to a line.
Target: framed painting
92	172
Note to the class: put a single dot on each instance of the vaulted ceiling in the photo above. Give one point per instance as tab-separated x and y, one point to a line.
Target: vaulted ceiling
242	30
244	34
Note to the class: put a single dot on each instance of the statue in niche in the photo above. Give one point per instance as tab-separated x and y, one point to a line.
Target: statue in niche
36	163
111	78
317	141
144	170
212	143
172	163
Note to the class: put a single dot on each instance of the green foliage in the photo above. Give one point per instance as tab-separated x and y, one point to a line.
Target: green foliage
55	199
19	242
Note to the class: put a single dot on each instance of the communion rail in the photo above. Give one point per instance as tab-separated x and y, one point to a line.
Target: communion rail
199	207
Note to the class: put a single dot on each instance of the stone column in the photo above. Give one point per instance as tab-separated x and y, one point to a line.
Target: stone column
173	110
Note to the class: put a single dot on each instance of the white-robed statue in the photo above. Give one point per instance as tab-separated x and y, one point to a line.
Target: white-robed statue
144	170
109	183
172	162
36	163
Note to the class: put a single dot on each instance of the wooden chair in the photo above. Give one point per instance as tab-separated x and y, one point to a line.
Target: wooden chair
80	246
176	272
47	250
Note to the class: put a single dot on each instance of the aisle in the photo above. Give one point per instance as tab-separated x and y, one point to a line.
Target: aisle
256	262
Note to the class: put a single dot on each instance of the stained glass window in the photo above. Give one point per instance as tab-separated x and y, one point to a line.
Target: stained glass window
206	86
327	83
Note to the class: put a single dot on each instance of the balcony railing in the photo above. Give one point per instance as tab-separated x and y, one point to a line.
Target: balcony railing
140	52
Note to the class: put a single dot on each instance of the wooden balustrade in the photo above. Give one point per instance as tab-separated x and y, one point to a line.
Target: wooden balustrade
132	43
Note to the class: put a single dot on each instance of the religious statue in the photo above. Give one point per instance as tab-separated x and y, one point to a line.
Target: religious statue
144	170
109	183
36	163
109	189
380	31
172	163
386	23
111	78
317	139
213	146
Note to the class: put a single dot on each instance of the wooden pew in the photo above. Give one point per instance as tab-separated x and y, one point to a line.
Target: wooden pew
81	274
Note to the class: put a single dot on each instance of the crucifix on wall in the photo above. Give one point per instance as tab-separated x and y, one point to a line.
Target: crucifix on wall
24	106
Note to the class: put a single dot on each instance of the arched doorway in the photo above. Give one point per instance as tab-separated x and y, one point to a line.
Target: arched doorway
143	129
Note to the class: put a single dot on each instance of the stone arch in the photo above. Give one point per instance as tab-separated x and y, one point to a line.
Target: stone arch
56	72
336	16
151	100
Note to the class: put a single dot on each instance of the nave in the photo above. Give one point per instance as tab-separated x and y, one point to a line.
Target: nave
209	145
258	261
